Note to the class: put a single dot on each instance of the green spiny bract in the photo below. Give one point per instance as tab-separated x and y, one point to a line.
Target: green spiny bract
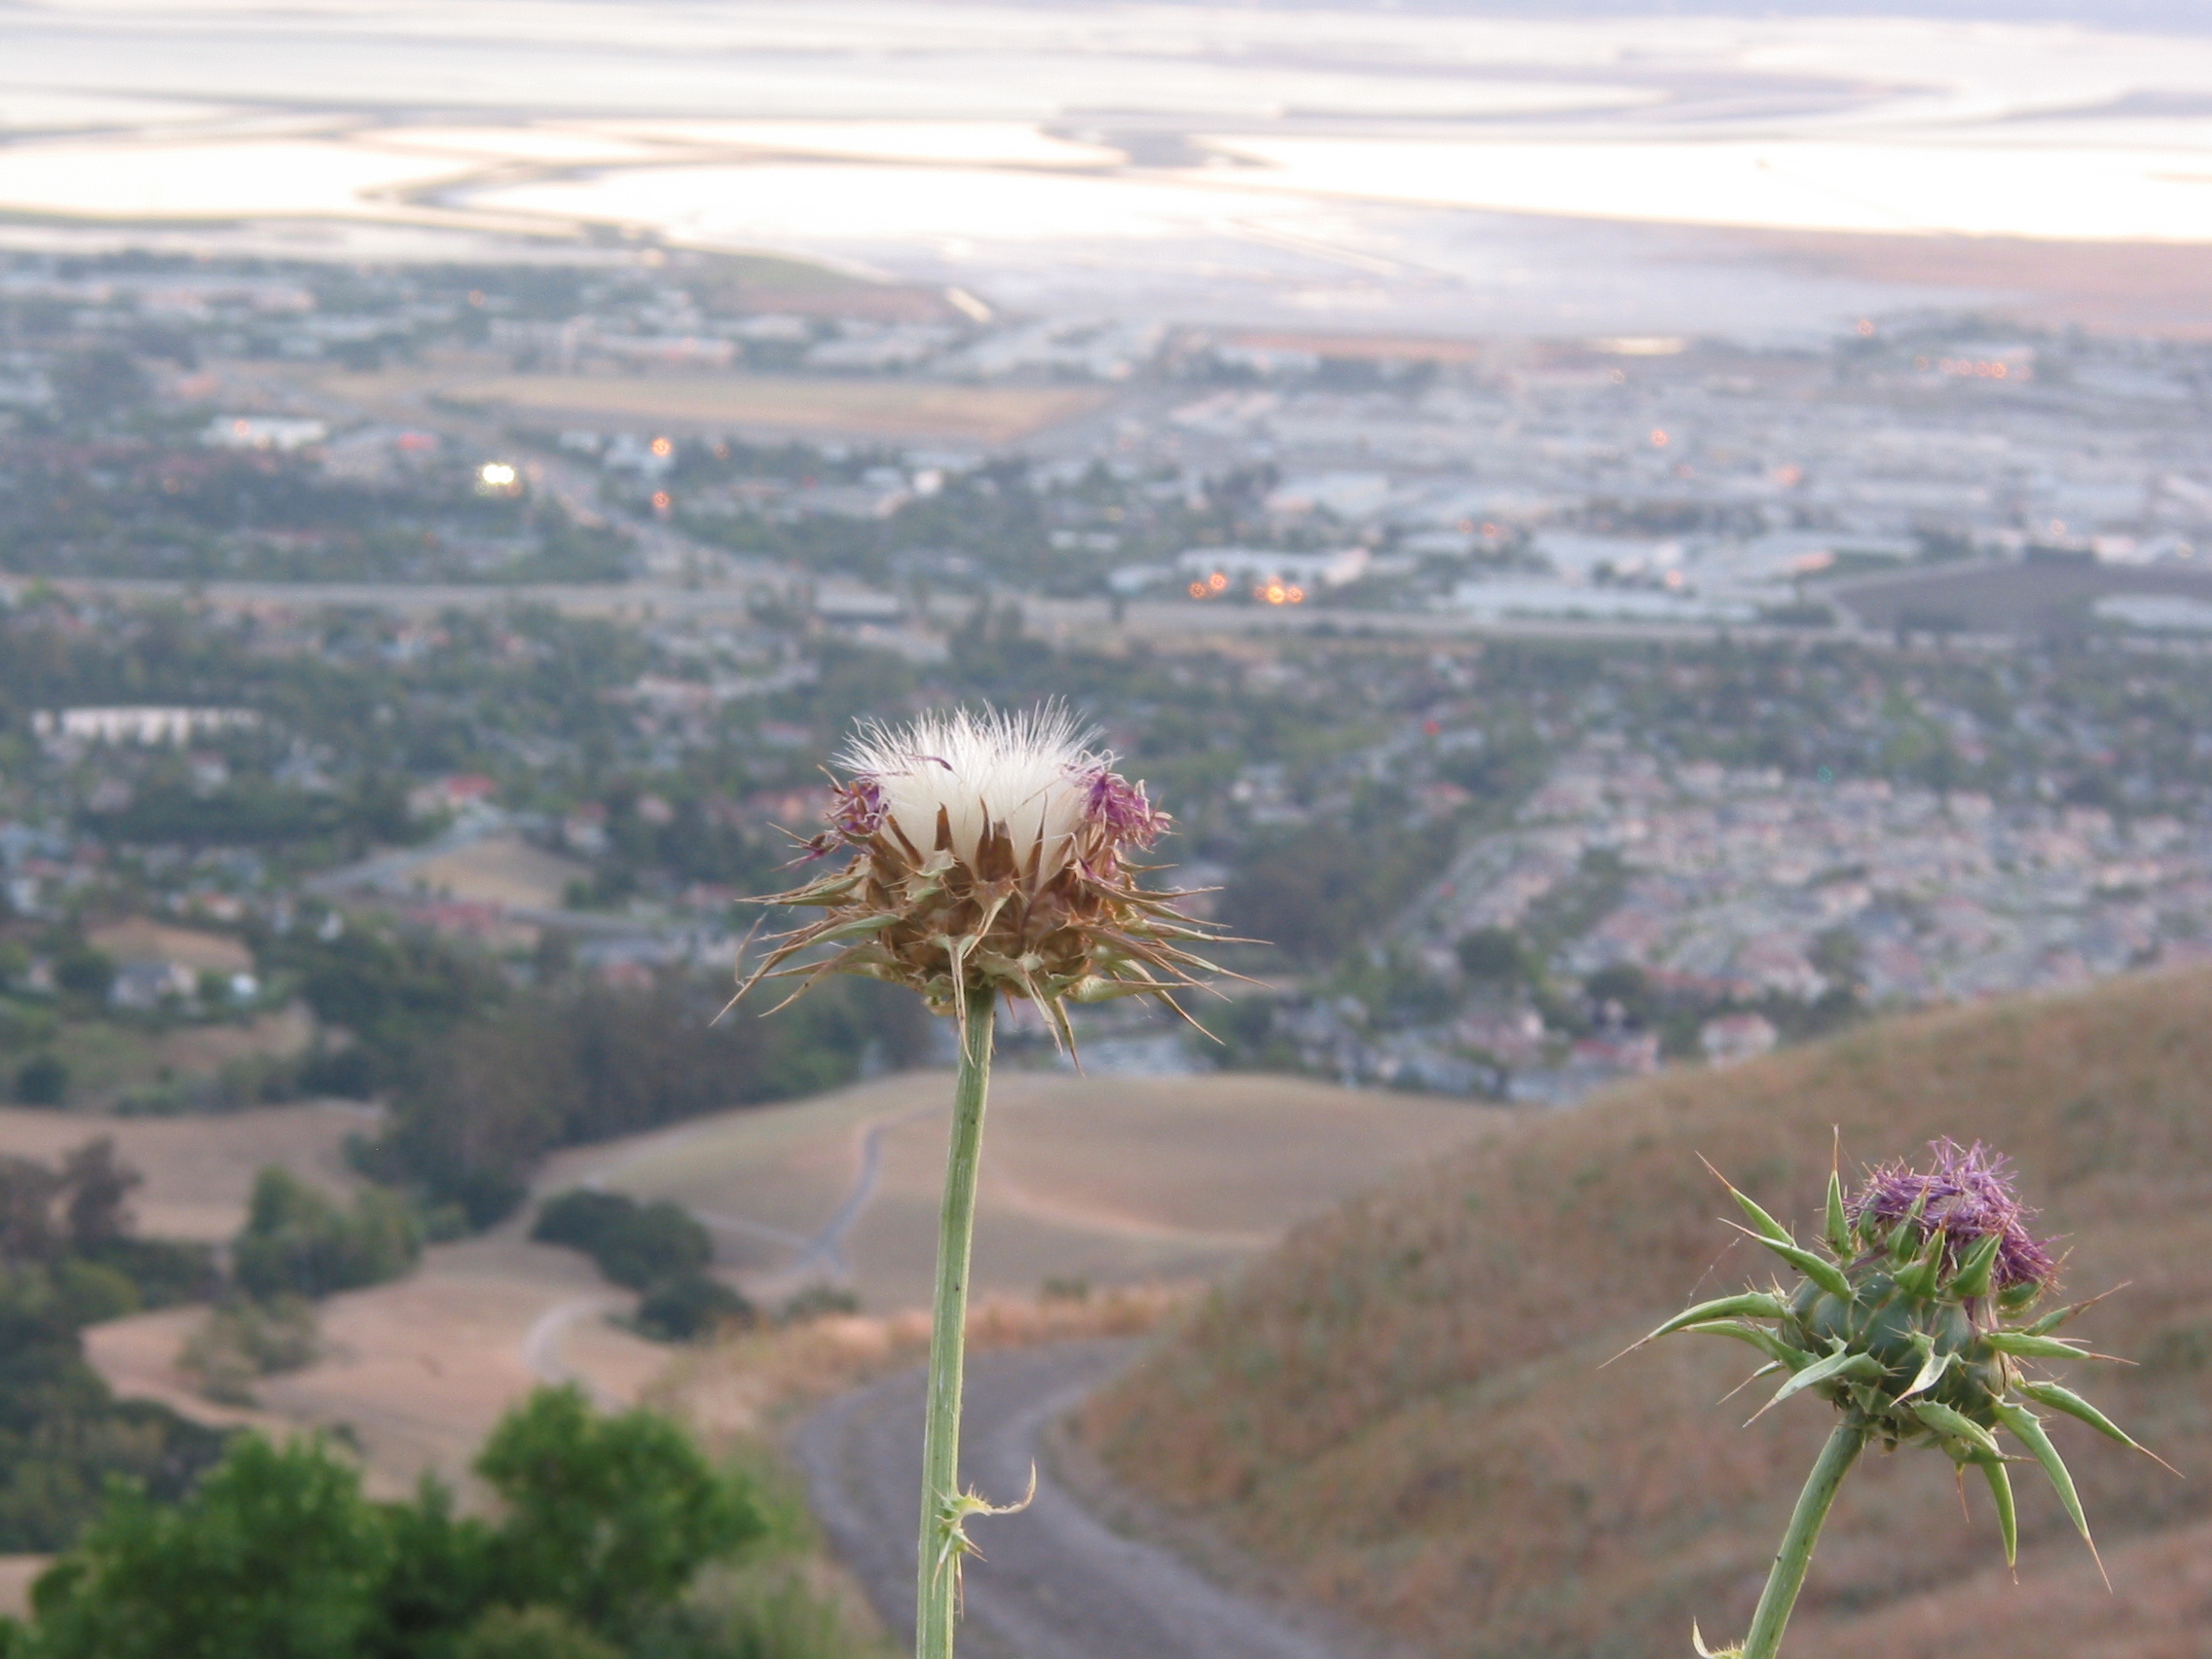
1915	1320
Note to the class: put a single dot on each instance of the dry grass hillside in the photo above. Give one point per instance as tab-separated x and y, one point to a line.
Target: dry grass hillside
1403	1408
1109	1180
1112	1181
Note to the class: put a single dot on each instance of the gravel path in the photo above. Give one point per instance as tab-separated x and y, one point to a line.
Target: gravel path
1055	1583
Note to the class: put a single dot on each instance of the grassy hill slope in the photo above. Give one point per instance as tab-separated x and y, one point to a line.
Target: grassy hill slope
1402	1406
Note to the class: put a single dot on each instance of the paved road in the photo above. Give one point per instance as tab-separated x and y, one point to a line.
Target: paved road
1055	1583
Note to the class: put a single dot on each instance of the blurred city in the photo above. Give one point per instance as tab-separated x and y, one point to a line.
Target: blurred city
1662	568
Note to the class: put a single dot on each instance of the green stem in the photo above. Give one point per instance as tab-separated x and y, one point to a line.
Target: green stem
938	1580
1796	1552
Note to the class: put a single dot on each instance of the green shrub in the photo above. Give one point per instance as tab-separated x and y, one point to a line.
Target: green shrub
43	1080
817	1299
636	1245
689	1307
296	1240
237	1345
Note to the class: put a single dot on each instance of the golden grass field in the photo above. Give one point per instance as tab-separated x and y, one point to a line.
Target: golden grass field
689	404
1402	1408
1112	1180
200	1169
1109	1180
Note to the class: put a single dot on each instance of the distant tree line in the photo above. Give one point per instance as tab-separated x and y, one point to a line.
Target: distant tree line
485	1080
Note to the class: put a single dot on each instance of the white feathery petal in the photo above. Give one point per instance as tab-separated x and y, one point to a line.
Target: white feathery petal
1030	772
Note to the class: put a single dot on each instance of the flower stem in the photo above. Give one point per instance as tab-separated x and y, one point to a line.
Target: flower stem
1796	1552
937	1581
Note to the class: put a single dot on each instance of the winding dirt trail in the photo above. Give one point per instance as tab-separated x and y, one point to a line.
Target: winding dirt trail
1055	1583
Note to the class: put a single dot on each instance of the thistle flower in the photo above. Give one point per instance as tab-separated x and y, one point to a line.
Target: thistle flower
990	853
989	859
1913	1324
1967	1197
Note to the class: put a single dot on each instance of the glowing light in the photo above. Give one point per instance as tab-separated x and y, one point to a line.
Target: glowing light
1218	583
496	475
1295	595
1865	326
660	503
1659	438
662	446
1976	368
1199	590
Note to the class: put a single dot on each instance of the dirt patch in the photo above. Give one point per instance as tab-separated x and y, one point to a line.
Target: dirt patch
419	1371
141	939
500	869
17	1575
712	404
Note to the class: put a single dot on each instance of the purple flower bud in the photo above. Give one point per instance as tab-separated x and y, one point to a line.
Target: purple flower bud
1121	809
1967	1196
857	811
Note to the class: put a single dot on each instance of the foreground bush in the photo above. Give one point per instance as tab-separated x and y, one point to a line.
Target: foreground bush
603	1524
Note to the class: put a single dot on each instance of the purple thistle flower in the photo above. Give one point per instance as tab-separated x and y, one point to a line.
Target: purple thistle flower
857	811
1966	1196
1120	806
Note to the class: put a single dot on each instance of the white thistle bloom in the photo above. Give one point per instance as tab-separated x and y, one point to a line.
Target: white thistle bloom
990	856
1032	772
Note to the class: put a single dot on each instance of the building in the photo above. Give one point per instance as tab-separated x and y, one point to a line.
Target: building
157	964
1257	566
262	432
138	725
1735	1037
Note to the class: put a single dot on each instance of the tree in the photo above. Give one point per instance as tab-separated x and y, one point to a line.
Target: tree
606	1517
297	1239
43	1080
99	1185
1496	955
636	1245
27	1190
276	1555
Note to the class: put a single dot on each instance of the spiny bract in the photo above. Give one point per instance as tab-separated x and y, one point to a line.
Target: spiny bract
1915	1319
989	856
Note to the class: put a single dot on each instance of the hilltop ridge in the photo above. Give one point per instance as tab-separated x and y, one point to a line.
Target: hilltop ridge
1402	1407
